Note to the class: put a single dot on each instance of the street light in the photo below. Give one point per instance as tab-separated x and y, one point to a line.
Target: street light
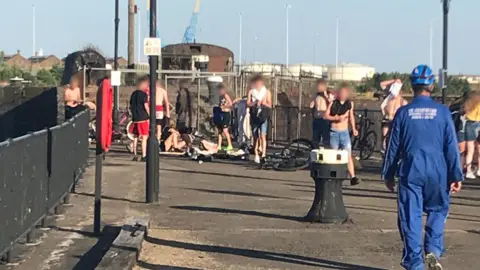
337	33
446	9
431	42
115	67
315	47
152	169
254	45
240	44
287	7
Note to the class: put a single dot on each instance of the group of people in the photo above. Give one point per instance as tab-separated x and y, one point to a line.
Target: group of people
140	110
333	117
466	114
257	110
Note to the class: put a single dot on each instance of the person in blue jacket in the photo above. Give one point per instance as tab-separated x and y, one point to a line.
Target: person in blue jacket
422	149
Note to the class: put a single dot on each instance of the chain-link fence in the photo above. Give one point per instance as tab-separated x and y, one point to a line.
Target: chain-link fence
199	98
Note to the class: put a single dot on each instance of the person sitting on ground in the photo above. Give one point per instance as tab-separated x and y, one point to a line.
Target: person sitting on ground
162	108
171	140
390	105
340	114
224	117
73	100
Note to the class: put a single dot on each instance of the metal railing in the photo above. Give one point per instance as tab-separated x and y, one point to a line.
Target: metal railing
38	172
290	122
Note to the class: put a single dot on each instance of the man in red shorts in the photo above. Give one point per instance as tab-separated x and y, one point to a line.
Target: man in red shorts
140	115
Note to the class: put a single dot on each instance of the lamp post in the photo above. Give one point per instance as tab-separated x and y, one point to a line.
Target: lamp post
254	47
337	33
115	67
315	47
240	44
287	7
446	9
431	42
152	168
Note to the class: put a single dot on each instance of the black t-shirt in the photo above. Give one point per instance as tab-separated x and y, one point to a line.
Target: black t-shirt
137	105
339	108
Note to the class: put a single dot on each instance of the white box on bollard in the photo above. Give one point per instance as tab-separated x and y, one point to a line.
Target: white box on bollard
329	156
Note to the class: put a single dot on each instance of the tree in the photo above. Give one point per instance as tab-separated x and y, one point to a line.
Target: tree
45	77
57	72
2	57
7	72
455	86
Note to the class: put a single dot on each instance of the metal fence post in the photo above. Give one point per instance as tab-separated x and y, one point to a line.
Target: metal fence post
84	85
299	114
198	103
275	104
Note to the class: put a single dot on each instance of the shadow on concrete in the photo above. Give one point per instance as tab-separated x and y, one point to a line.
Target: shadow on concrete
228	175
236	211
262	255
145	265
297	185
108	197
394	211
94	256
238	193
85	232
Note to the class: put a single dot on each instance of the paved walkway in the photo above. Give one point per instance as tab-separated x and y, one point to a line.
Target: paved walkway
224	216
220	216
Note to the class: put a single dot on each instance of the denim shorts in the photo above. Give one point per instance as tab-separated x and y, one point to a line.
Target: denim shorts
471	130
260	129
340	139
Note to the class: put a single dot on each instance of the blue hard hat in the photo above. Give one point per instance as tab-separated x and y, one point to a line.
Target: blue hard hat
422	75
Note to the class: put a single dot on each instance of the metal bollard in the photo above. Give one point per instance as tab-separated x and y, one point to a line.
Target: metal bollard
328	170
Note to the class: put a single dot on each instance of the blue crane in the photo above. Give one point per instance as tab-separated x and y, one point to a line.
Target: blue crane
190	32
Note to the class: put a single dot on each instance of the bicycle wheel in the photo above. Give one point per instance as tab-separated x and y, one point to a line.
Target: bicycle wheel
290	165
368	145
298	148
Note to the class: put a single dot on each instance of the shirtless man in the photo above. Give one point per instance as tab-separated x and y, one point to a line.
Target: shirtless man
162	108
340	114
390	106
320	126
73	100
259	100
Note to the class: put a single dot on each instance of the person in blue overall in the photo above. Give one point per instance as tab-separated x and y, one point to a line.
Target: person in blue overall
423	145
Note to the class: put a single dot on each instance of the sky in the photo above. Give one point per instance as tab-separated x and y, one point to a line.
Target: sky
390	35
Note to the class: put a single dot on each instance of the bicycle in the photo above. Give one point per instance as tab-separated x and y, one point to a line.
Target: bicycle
295	156
367	138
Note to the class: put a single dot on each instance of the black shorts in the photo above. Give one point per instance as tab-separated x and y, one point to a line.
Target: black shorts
159	122
225	120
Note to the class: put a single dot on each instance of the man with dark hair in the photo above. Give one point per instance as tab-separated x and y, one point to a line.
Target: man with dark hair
422	140
319	103
140	114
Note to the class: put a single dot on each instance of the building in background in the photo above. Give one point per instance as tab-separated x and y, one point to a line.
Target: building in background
40	61
16	60
349	72
345	71
197	56
122	62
